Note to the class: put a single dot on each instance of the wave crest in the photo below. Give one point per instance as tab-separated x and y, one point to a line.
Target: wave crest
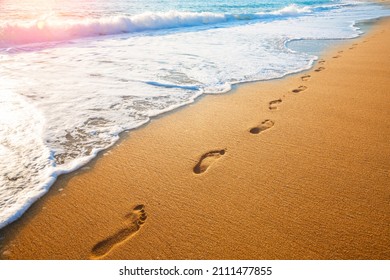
54	29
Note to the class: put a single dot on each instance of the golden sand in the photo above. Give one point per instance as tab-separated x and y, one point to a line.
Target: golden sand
297	168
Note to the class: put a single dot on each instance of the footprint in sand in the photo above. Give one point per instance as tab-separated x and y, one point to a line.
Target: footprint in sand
305	78
353	46
273	103
299	89
321	61
319	69
135	219
207	159
337	56
263	126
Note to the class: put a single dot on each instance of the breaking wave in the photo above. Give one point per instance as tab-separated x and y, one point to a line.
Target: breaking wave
56	29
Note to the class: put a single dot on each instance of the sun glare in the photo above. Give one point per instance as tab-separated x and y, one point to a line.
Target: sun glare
40	24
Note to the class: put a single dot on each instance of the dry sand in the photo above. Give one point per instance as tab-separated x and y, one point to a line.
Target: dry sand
297	168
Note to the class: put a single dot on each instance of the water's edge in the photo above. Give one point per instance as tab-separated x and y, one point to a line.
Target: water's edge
62	179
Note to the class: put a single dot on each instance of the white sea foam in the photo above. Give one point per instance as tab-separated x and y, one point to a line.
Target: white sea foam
22	154
60	105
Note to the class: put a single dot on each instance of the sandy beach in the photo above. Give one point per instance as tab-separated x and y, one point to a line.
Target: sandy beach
296	168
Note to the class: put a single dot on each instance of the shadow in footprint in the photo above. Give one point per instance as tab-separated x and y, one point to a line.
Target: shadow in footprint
299	89
353	46
263	126
336	56
136	219
305	78
319	69
207	159
273	103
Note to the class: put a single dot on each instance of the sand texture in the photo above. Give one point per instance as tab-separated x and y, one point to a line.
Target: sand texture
297	168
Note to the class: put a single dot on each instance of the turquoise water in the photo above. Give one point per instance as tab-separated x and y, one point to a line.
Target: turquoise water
97	8
75	74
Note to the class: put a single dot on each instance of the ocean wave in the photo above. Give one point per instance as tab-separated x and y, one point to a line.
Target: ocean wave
54	29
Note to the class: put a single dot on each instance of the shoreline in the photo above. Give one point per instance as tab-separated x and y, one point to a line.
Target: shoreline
168	192
85	162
